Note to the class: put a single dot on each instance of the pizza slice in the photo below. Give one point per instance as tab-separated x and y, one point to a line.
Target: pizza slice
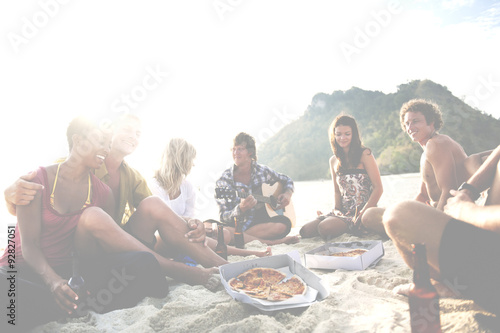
293	286
351	253
269	275
260	294
266	283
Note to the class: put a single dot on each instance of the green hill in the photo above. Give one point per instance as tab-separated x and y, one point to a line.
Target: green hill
301	149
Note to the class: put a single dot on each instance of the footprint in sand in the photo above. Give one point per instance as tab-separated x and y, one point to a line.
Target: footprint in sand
382	282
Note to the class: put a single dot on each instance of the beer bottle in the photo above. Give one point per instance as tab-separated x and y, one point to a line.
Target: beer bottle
76	281
221	248
239	241
423	297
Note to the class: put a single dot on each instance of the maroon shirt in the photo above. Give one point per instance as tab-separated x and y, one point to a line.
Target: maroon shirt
57	230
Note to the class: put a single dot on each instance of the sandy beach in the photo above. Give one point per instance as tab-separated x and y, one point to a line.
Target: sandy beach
359	301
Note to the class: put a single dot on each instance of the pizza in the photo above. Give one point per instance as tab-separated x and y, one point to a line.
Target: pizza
268	284
351	253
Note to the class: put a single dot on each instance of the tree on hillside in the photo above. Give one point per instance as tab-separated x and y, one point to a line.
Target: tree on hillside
302	149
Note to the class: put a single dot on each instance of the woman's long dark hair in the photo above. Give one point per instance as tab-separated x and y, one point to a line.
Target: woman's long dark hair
356	148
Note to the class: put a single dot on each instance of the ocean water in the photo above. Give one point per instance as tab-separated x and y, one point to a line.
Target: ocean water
309	197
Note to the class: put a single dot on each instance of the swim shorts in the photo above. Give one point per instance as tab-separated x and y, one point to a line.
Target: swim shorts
469	262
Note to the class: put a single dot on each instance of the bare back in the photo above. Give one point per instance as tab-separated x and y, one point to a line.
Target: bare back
442	166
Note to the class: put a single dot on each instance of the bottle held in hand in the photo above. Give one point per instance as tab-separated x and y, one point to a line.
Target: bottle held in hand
76	282
221	248
423	297
239	241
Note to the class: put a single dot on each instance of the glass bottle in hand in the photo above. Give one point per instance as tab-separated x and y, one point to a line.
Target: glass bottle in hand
76	282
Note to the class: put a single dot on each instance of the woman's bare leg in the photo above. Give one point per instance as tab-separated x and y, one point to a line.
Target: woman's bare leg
154	215
165	251
372	220
97	232
310	229
331	227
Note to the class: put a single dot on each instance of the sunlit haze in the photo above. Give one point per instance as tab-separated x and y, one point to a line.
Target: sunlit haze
206	70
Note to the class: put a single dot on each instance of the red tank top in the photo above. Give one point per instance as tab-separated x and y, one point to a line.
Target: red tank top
57	230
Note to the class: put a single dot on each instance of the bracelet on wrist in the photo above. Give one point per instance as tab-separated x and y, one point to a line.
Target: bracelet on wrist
475	194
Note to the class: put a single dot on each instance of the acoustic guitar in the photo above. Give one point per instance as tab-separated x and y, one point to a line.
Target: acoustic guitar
268	199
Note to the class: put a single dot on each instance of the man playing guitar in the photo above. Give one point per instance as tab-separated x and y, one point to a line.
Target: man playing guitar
243	179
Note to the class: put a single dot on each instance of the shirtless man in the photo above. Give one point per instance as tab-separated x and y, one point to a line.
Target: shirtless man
442	162
139	213
444	165
463	242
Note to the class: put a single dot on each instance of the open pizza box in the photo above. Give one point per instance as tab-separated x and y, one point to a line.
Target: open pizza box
322	258
289	264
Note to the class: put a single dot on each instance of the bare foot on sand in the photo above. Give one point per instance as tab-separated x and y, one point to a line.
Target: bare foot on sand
207	277
213	278
442	290
291	240
265	253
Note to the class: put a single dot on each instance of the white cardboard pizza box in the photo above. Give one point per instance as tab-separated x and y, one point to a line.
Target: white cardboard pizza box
320	257
289	263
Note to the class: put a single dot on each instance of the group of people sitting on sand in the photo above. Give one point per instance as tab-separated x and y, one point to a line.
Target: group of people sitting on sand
135	231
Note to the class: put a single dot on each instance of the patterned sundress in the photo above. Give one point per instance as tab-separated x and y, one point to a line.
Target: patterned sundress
355	189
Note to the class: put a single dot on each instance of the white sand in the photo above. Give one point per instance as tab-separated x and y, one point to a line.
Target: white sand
359	301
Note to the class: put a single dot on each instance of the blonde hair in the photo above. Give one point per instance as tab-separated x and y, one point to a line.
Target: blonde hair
176	163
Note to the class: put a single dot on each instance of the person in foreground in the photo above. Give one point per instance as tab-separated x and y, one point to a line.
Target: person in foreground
356	180
70	215
141	214
444	165
246	178
170	184
463	242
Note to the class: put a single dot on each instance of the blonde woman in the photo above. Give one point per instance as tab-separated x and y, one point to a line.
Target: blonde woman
170	184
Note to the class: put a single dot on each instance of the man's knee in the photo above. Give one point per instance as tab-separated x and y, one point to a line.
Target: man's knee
149	205
154	207
281	227
278	229
399	216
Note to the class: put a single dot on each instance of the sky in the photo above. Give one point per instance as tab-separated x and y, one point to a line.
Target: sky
207	70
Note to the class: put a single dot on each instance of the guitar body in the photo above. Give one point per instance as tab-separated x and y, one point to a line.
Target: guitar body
274	191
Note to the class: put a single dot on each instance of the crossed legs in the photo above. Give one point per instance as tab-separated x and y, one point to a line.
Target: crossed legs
327	228
256	233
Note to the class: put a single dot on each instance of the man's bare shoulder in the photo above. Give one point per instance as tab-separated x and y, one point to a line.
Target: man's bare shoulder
441	143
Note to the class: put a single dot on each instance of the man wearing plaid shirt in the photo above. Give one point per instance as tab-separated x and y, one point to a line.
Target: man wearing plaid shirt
242	180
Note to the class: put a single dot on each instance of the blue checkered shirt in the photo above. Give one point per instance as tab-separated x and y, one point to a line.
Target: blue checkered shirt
229	205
